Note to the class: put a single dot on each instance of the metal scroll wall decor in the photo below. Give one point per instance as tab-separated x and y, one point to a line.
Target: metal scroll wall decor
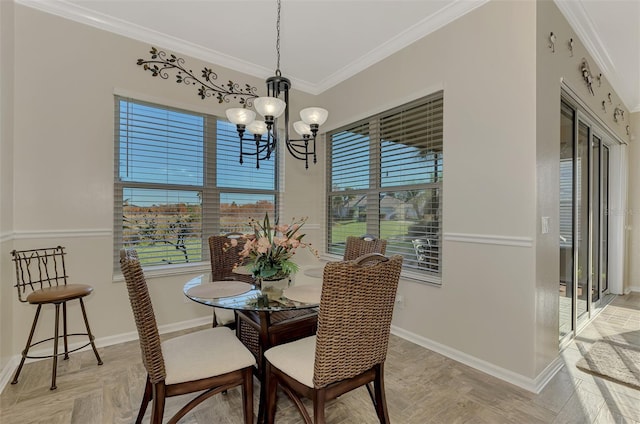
161	63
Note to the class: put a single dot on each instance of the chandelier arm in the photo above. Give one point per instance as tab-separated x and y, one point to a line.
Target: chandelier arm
296	149
262	146
160	63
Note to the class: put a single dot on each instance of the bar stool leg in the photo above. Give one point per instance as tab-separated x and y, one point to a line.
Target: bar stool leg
64	329
55	348
25	352
86	323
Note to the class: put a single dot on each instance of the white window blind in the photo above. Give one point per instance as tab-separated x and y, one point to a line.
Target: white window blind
385	178
178	181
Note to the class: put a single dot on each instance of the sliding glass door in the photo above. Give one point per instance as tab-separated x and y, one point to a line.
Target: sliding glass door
584	226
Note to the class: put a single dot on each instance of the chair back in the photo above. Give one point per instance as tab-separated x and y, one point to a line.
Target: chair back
143	315
224	257
354	321
358	246
39	268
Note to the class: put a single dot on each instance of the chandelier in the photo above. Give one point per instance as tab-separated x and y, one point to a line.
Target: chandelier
271	107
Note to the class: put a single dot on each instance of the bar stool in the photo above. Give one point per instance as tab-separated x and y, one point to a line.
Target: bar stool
41	279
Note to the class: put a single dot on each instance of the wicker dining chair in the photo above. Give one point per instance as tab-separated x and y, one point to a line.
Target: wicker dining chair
209	361
358	246
350	347
224	257
41	279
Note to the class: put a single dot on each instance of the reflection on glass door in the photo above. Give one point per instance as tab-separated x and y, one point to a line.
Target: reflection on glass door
584	225
581	219
566	219
604	214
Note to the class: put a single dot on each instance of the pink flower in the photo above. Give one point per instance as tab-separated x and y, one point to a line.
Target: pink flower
234	242
295	243
263	245
280	241
281	228
248	247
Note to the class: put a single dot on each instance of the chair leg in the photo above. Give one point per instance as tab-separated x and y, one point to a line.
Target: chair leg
25	352
381	401
319	400
64	330
91	338
55	347
271	384
146	398
247	395
158	403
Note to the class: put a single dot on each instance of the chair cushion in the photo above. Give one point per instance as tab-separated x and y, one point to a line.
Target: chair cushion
225	316
295	359
57	294
206	353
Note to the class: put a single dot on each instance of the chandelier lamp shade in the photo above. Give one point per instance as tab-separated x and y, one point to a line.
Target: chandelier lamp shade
273	106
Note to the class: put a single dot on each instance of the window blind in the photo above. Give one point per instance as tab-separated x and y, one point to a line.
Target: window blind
385	178
178	181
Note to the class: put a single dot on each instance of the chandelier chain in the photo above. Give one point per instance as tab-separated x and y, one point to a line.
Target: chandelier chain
278	73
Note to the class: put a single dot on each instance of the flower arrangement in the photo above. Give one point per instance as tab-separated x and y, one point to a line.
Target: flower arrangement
268	251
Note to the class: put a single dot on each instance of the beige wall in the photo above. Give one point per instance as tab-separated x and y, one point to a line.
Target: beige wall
633	231
498	302
485	61
6	178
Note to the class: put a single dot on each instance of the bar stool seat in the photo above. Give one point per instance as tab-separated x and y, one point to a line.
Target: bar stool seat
58	294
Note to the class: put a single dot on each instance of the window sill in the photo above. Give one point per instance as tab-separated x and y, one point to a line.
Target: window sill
169	271
417	277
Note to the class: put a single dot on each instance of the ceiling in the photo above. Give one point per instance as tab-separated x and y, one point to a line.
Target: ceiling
241	34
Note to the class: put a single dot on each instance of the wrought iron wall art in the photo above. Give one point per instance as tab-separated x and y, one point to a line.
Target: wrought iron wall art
586	75
570	47
552	42
599	80
609	98
628	130
618	114
604	106
161	63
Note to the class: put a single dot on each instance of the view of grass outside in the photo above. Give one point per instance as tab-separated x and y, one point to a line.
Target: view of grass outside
179	181
173	233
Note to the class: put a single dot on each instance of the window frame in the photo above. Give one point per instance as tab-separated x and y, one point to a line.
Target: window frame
211	192
375	187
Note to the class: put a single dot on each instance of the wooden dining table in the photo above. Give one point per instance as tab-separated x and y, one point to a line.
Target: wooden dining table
264	321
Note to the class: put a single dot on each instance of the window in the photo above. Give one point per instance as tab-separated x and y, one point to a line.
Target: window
385	179
178	181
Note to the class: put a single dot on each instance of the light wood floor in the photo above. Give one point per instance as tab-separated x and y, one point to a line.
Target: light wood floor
421	386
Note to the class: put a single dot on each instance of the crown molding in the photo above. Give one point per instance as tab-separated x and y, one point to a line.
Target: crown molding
449	13
578	18
444	16
89	17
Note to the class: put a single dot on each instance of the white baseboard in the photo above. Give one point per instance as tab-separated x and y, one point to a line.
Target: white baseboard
7	371
632	289
534	385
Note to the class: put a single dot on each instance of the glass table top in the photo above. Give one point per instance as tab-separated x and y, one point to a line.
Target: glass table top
302	293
